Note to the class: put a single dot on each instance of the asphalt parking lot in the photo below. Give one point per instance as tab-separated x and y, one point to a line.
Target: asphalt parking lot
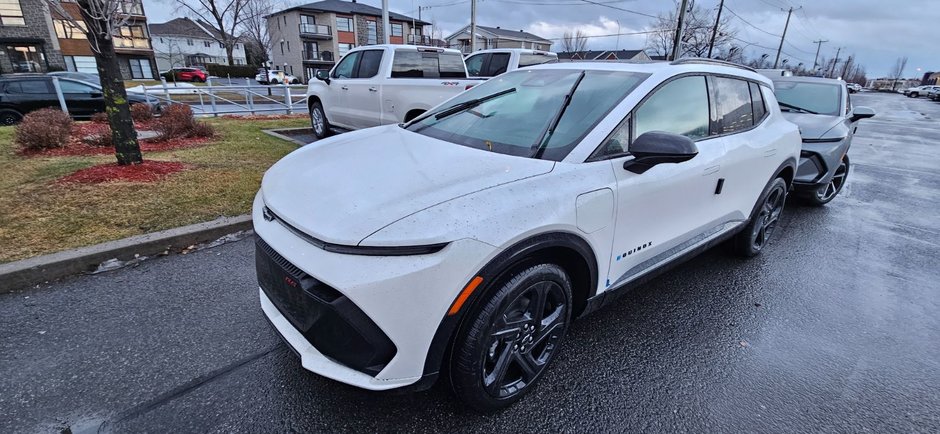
834	328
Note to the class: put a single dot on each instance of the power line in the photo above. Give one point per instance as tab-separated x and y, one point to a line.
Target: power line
619	8
749	23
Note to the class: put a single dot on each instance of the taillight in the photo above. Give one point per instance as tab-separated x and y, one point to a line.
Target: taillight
468	86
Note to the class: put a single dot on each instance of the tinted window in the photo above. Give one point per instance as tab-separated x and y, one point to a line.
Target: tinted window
499	62
347	66
822	98
416	64
29	86
475	64
369	65
75	87
757	100
734	105
451	66
679	107
535	59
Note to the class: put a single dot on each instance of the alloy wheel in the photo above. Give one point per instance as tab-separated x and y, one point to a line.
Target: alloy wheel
523	339
316	118
830	190
768	217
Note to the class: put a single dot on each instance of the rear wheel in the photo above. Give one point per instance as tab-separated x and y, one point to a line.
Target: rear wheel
826	193
506	344
10	117
756	235
274	81
914	95
321	126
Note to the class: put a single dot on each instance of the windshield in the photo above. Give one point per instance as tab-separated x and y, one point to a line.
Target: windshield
821	98
513	122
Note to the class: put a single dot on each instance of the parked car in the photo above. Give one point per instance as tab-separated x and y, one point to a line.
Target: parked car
272	76
20	95
823	110
384	84
194	75
853	87
469	238
915	92
80	76
490	63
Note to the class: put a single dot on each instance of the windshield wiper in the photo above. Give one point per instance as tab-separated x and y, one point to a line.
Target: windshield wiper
795	107
469	104
546	135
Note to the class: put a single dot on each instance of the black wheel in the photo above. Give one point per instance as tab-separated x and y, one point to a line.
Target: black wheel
197	80
826	193
505	345
318	121
10	117
274	81
295	81
914	95
755	236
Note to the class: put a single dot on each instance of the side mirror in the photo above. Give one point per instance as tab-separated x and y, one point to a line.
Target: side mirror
657	147
323	75
862	112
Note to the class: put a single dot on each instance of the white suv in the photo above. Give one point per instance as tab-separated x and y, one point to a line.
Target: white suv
473	235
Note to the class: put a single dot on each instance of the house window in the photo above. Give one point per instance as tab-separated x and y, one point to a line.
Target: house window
221	45
65	29
371	35
207	44
189	42
344	24
26	58
81	64
132	7
311	51
344	48
238	46
282	47
134	37
288	46
140	68
11	14
397	29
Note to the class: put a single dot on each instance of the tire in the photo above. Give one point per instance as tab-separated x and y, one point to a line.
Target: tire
914	95
10	117
197	80
295	81
506	343
756	235
273	82
828	192
318	121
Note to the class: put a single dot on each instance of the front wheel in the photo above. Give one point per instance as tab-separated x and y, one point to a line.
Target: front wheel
504	346
914	95
755	236
274	81
826	193
321	126
10	117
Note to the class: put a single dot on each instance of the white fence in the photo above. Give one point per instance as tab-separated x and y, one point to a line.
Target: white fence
213	99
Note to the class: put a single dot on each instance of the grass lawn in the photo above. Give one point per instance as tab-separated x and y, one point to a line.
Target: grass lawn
39	216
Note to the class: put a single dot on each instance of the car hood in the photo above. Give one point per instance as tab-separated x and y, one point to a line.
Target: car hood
342	189
815	126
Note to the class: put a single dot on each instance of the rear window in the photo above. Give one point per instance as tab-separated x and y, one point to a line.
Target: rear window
535	59
28	86
418	64
735	110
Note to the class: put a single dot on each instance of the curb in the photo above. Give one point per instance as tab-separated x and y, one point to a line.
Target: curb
276	133
31	271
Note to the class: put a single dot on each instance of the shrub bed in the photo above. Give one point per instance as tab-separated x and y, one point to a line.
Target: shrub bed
43	129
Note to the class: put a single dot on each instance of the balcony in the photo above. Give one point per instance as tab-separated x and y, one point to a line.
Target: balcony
317	56
315	31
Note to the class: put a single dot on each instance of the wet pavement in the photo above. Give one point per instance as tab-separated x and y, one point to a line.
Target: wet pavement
834	328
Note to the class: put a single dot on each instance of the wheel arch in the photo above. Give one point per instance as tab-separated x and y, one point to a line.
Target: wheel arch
565	249
413	113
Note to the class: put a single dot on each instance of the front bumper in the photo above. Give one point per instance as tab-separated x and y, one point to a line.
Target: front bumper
818	162
405	297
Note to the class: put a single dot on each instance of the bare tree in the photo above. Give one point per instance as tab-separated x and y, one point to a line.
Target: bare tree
574	42
101	22
173	54
225	15
898	71
696	34
255	29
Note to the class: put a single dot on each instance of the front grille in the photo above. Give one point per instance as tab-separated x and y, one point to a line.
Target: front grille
280	260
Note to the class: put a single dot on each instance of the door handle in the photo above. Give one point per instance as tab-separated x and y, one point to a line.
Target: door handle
373	89
712	169
344	88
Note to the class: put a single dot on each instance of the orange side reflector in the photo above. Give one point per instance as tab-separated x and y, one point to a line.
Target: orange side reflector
464	295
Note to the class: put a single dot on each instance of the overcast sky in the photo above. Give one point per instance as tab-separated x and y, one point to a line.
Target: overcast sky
876	31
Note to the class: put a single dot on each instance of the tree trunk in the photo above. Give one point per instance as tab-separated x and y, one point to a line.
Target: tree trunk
123	134
230	51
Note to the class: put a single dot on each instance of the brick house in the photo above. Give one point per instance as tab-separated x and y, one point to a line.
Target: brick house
314	36
28	42
496	37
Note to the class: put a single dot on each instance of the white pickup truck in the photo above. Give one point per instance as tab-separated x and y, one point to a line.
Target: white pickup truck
384	84
490	63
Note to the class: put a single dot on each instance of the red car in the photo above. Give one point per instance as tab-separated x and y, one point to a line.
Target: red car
195	75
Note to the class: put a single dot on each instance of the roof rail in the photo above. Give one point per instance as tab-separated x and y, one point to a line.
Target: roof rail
707	61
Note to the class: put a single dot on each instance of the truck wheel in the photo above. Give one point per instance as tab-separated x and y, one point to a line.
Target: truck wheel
321	127
10	117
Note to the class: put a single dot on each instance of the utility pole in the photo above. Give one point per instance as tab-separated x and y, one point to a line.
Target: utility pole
834	62
784	36
815	59
473	26
677	41
385	26
711	44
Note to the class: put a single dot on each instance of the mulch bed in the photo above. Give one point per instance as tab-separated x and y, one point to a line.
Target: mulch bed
148	171
77	145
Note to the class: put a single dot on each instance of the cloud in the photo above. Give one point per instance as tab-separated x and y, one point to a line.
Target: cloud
598	32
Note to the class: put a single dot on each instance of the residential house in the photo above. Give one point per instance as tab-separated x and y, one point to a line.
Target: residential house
314	36
185	42
131	43
27	39
495	37
637	55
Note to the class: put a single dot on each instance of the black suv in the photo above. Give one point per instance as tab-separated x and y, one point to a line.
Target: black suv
25	93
